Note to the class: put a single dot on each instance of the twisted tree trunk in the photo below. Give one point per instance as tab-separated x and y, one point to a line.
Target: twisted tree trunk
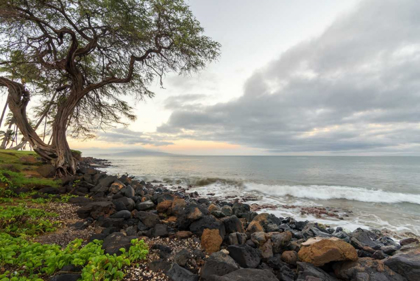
58	153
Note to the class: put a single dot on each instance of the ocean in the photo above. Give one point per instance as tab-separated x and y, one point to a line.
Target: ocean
376	192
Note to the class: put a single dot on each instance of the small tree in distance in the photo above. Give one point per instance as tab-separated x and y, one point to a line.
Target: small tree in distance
82	56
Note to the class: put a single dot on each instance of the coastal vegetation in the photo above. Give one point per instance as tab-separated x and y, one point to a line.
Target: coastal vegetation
81	57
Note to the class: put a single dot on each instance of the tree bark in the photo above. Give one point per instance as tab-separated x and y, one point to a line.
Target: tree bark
58	153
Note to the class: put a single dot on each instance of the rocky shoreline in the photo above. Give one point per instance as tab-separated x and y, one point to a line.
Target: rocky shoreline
197	238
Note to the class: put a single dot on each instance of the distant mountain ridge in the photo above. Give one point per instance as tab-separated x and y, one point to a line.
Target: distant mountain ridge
140	152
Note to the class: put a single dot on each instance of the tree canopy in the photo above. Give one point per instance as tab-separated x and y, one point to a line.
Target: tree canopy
83	56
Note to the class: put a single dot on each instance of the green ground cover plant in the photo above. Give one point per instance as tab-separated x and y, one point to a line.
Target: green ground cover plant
31	261
21	220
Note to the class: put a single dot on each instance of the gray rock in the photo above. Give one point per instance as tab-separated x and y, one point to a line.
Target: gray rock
245	256
148	219
128	191
227	210
406	262
146	205
128	202
218	264
115	241
104	184
66	277
198	226
125	214
232	224
361	238
182	257
308	272
160	230
177	273
366	269
160	265
249	274
95	209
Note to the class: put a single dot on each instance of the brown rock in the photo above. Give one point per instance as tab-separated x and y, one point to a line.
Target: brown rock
289	257
211	240
183	234
195	214
258	238
408	241
257	223
116	186
171	219
213	207
326	251
178	205
163	206
267	250
255	226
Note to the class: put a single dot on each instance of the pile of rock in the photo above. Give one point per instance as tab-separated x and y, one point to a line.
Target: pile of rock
236	242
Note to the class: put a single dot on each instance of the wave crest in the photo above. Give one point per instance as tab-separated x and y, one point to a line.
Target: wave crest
325	192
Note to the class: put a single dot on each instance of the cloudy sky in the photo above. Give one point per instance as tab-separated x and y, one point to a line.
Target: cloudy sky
295	77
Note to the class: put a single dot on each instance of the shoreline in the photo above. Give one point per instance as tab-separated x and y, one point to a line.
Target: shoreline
200	236
230	233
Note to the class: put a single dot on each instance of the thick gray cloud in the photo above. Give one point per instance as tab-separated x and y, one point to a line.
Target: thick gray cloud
355	87
127	136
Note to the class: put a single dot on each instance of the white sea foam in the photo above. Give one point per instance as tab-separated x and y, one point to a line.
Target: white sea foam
326	192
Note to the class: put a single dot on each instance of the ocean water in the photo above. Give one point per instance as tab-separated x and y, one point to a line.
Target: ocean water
378	192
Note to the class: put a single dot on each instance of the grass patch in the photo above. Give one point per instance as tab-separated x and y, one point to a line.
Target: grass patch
19	169
26	260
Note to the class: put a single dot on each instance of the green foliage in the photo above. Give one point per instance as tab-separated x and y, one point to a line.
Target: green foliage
30	260
121	47
21	220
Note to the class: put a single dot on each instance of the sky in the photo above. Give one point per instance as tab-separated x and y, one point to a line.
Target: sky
294	78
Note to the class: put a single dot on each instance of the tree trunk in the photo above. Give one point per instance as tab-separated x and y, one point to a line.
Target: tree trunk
58	153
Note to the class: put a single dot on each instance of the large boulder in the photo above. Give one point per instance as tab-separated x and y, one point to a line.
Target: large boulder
308	272
249	274
96	210
245	255
406	262
327	250
366	269
211	240
218	264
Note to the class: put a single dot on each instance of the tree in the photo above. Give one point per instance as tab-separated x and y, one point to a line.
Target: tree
84	55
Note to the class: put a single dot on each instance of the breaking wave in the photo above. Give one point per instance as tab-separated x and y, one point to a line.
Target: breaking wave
325	192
